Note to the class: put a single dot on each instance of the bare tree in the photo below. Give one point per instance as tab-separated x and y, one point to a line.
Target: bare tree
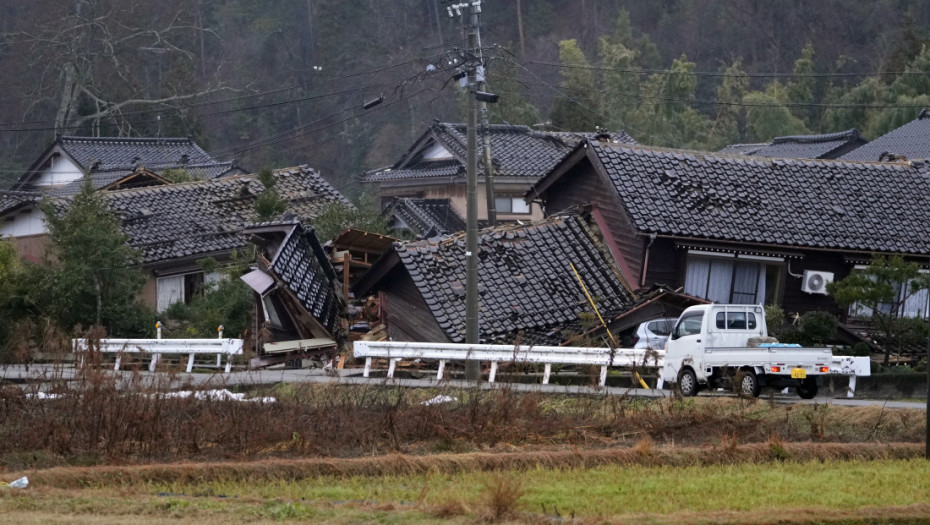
102	61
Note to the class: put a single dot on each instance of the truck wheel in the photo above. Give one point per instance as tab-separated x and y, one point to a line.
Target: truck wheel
808	388
748	384
687	383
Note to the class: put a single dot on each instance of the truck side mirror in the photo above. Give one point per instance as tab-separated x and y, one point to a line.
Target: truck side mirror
674	333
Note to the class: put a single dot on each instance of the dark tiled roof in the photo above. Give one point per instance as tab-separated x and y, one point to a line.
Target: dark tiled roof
517	151
911	140
199	218
425	170
109	153
303	266
823	146
426	217
742	149
805	203
526	283
10	200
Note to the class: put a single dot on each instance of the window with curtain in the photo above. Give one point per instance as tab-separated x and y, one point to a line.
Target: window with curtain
911	303
170	290
726	280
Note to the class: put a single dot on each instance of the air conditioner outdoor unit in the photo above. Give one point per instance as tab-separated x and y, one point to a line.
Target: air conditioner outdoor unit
816	282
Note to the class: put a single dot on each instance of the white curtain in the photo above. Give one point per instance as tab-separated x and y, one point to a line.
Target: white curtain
745	283
724	280
916	305
170	290
721	275
696	276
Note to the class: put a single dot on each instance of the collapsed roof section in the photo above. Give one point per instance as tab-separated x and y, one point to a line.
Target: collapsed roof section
299	289
205	218
528	287
424	218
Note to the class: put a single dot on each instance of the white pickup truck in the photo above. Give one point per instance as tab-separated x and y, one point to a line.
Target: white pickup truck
723	345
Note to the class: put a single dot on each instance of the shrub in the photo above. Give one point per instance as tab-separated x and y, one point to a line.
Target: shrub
774	319
817	327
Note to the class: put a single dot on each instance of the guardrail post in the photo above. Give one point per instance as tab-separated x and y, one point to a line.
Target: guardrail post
367	367
547	373
153	363
228	364
219	357
852	387
493	373
157	329
442	368
603	375
118	358
391	366
190	363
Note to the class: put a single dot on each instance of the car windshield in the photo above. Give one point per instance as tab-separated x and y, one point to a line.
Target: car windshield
662	326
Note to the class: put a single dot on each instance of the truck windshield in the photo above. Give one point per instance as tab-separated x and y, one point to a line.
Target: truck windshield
689	324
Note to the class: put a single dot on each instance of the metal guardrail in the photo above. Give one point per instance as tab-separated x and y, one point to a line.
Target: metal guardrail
157	347
394	351
548	355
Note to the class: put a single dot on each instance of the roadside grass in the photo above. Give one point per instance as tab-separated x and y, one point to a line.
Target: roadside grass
103	418
854	491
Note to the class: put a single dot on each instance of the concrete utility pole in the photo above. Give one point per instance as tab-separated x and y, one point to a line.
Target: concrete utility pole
472	368
471	62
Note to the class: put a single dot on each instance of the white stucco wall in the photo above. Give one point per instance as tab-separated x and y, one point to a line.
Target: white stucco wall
61	171
32	223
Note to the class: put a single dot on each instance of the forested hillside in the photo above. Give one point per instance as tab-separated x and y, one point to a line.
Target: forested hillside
281	83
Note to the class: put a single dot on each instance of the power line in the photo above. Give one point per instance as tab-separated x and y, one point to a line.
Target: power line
394	85
300	130
233	99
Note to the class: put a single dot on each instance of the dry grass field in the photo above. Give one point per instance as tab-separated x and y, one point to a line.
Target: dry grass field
99	452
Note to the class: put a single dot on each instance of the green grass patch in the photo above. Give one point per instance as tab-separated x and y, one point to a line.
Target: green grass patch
608	491
759	493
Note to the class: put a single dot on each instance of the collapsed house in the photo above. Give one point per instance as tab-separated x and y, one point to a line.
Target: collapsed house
532	284
300	303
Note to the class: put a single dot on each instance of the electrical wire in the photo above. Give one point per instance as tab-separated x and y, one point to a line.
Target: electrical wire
230	99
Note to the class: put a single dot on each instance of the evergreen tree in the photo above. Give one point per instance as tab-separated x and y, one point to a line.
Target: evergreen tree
578	109
800	90
93	275
621	77
730	93
767	116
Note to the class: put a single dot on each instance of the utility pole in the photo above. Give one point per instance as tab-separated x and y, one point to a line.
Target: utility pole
472	368
473	59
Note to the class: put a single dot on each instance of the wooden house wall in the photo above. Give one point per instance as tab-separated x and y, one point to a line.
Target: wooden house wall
666	265
405	313
795	300
581	186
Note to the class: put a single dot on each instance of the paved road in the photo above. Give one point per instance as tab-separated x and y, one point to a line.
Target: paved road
43	375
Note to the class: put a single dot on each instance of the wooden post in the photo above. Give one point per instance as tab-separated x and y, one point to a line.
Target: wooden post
346	265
